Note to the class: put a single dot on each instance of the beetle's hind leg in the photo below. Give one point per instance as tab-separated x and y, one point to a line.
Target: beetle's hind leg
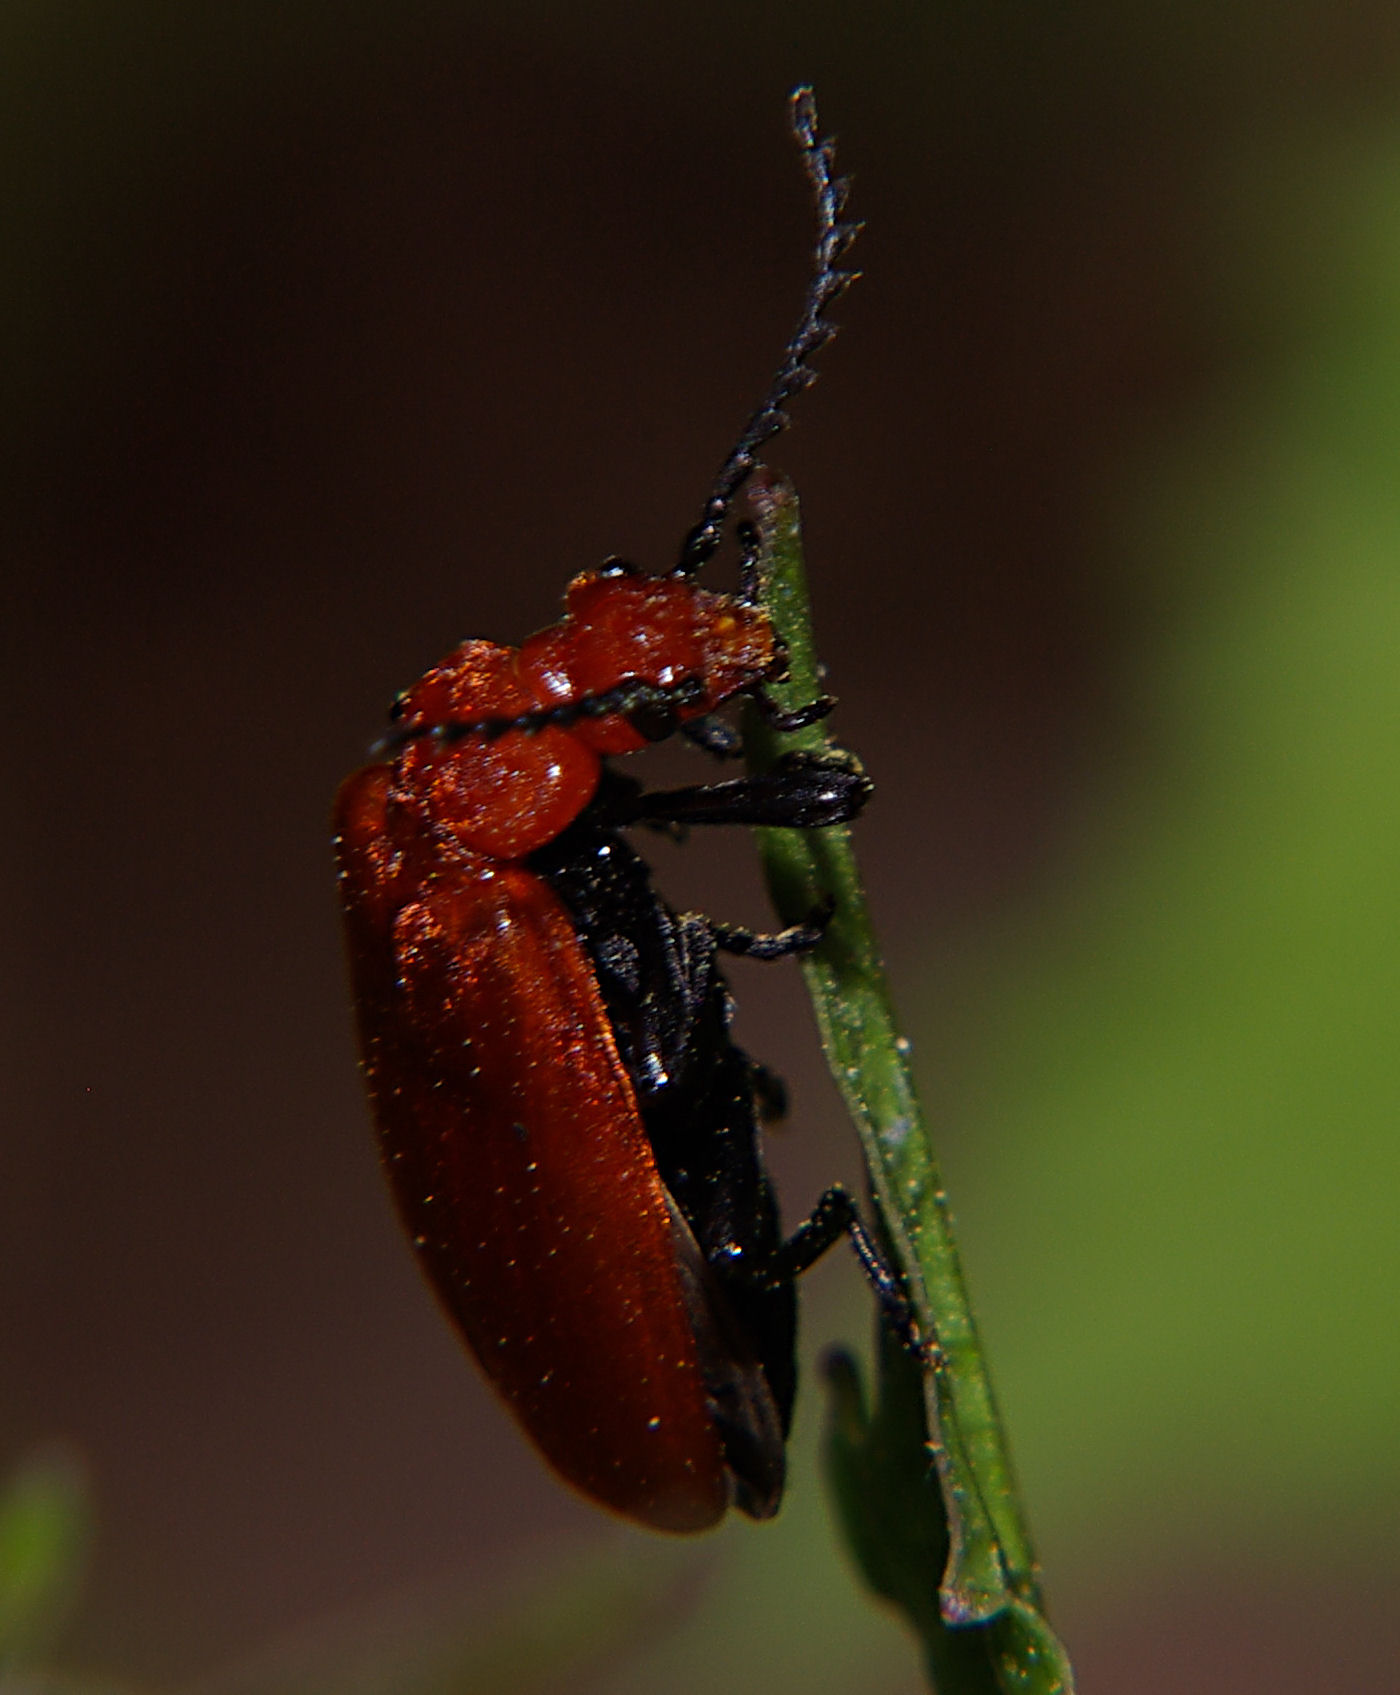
836	1215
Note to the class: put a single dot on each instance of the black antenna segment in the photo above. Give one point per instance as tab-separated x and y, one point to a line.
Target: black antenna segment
812	333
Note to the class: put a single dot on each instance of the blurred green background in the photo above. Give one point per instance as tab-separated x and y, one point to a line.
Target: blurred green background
336	334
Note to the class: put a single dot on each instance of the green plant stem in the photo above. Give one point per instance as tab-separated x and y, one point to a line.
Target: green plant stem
990	1585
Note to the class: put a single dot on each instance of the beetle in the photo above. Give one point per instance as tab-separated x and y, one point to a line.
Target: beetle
569	1130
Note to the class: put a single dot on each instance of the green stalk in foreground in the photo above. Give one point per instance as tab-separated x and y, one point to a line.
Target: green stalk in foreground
923	1482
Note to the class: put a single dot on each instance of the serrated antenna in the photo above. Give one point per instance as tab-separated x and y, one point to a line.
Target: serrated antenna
813	331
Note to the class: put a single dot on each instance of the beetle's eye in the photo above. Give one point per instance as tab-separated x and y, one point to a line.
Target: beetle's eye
612	566
397	707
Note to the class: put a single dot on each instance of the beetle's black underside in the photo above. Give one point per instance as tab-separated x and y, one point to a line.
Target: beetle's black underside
701	1098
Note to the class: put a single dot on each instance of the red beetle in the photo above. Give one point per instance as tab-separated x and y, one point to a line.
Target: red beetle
569	1131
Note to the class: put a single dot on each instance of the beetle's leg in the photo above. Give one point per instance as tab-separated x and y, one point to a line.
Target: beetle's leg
776	718
835	1215
756	944
802	791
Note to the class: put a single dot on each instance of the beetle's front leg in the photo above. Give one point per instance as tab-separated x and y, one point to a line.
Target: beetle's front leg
802	791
